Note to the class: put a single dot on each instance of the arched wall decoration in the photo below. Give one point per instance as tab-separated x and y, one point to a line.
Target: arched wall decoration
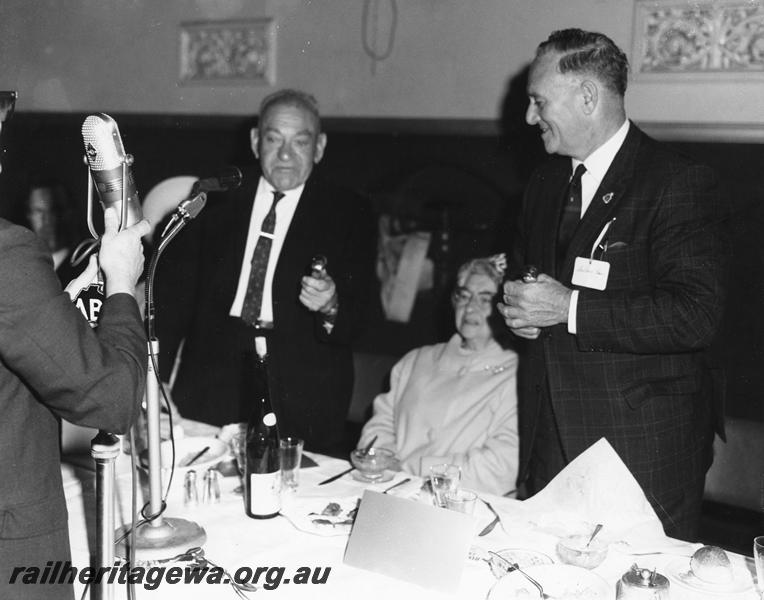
705	38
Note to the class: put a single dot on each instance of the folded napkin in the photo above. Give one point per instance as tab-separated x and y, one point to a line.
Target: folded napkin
596	487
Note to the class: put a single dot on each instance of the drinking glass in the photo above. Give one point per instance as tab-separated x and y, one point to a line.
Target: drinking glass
444	477
238	445
461	500
758	559
290	449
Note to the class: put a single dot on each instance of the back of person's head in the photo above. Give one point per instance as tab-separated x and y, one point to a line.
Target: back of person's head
292	97
589	53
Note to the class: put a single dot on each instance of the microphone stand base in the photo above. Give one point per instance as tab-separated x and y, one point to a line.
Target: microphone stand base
159	542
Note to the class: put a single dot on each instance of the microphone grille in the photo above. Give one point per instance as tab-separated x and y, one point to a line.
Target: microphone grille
103	144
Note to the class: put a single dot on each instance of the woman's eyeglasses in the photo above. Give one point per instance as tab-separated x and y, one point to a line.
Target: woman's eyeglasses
463	297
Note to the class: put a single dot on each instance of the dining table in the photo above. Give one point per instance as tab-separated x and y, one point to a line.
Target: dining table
299	537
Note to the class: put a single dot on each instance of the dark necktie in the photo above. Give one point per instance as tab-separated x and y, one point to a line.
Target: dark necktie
571	214
253	300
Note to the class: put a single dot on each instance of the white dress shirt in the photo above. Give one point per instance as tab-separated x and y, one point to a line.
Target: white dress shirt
597	165
284	213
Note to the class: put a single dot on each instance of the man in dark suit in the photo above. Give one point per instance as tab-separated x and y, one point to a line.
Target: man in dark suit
53	366
205	280
631	250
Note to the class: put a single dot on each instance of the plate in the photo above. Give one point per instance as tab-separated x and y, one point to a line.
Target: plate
320	515
186	449
562	581
522	557
678	571
386	476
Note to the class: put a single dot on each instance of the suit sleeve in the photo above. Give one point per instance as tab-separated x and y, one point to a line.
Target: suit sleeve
89	377
679	307
353	279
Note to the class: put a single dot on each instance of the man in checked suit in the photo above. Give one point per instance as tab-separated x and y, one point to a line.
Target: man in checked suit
215	286
54	366
616	343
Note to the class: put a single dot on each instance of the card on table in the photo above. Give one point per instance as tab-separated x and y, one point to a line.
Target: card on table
408	540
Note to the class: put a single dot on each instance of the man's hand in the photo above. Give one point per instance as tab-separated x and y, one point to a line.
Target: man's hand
121	253
318	294
529	306
84	279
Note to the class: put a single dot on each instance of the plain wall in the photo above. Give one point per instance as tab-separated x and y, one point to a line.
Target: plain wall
450	58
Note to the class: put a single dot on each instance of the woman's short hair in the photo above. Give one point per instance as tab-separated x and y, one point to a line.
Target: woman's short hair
492	266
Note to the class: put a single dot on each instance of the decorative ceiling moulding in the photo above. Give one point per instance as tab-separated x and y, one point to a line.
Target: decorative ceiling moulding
228	52
705	39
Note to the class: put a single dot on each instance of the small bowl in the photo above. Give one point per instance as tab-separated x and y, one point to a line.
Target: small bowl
372	464
572	550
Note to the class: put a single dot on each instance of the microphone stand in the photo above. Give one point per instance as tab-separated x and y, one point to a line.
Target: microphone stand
105	446
161	537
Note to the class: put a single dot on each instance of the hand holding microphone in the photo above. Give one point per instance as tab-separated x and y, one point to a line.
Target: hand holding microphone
121	253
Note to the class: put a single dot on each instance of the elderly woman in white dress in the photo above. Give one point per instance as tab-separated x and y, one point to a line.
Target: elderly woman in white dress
456	402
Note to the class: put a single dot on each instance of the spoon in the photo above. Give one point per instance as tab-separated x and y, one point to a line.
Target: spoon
370	445
594	534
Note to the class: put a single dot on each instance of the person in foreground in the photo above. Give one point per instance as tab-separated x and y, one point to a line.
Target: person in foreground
630	242
54	366
456	402
244	265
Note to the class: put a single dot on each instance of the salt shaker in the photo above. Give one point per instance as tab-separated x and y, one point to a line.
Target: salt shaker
642	584
530	274
318	266
211	489
190	493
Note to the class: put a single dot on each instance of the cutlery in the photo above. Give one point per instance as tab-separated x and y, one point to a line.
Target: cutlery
401	482
337	476
370	445
489	528
197	456
510	566
594	534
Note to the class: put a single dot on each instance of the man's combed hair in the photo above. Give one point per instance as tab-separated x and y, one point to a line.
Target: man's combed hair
290	97
590	53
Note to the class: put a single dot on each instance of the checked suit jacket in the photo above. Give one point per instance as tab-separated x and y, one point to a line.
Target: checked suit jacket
53	366
634	373
310	372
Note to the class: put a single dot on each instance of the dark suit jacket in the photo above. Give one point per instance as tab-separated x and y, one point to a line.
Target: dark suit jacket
310	371
634	371
53	365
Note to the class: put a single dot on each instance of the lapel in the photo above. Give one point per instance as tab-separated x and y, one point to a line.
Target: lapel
293	261
241	214
604	203
553	186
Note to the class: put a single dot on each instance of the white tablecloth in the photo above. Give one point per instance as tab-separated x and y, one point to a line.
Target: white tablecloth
234	541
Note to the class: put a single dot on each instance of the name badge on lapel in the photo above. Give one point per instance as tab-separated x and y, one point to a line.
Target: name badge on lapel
590	273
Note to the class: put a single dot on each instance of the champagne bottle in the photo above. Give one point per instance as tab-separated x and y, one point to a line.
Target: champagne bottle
262	468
